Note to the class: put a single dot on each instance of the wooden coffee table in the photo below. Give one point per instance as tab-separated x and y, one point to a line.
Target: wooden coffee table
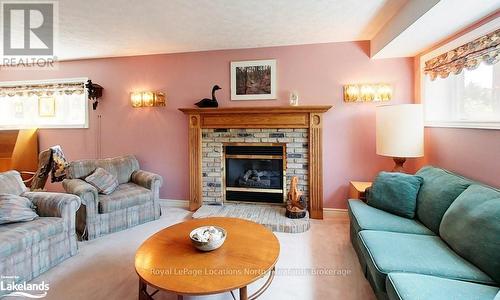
169	262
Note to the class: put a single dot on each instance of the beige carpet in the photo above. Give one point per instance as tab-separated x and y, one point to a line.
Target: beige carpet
104	268
271	216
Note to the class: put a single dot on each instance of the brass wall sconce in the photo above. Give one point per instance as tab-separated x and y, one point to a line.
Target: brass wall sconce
147	99
380	92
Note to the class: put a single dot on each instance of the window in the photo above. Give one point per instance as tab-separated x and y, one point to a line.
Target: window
469	98
44	104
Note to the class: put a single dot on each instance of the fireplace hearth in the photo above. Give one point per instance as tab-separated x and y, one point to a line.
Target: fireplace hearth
254	173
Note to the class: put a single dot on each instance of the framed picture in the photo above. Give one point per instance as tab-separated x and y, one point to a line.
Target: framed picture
253	80
46	106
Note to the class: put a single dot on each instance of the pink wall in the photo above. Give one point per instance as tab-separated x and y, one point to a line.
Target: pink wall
158	136
474	153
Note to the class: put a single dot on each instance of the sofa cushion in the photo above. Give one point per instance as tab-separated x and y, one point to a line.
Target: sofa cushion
408	286
439	190
387	252
395	193
11	183
15	208
365	217
103	181
122	167
18	236
126	195
471	226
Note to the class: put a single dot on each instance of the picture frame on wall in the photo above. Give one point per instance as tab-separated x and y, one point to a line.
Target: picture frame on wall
253	80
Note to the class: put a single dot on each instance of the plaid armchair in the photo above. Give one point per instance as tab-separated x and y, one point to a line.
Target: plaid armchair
135	200
28	249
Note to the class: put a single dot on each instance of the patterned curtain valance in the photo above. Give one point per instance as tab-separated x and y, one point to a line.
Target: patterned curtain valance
42	89
484	49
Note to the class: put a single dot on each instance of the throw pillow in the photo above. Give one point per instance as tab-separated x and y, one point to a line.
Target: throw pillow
15	208
395	193
103	181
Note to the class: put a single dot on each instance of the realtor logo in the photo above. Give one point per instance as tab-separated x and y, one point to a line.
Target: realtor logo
8	288
28	29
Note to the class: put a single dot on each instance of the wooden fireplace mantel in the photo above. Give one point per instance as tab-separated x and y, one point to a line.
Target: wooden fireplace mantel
258	109
310	117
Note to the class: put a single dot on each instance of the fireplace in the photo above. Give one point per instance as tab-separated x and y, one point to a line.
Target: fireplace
298	127
254	172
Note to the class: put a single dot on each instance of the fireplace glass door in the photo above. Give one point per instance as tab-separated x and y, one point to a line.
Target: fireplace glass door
254	173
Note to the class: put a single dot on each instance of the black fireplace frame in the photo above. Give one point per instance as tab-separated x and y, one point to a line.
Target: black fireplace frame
256	192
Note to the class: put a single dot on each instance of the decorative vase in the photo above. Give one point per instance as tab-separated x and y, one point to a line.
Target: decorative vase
294	98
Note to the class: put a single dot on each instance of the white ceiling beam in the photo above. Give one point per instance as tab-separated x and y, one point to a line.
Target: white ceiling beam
401	21
421	24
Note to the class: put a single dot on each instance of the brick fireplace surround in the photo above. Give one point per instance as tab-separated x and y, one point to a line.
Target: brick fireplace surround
299	128
212	161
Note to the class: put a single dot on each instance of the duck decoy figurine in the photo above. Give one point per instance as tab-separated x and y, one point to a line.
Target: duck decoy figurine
209	102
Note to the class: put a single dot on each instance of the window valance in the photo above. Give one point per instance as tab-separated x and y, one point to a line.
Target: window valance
43	89
484	49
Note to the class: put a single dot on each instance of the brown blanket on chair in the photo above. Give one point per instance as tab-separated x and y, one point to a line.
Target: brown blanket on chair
50	161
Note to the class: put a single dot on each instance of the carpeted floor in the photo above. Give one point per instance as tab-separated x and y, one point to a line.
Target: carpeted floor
104	268
271	216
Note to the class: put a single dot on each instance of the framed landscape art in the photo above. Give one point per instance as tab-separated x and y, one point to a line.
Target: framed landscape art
253	80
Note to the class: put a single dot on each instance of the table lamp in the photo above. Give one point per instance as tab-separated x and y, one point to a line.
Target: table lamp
400	132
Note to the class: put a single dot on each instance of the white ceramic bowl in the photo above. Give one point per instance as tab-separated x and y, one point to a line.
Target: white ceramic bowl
211	244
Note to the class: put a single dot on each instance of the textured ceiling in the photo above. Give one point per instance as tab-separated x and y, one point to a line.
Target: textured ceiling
96	28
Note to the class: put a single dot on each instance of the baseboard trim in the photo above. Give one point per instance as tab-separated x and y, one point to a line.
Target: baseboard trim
174	203
330	212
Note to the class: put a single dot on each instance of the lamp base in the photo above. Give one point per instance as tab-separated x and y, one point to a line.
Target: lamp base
399	162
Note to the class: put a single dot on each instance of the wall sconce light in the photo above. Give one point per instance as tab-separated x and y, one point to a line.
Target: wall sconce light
147	99
380	92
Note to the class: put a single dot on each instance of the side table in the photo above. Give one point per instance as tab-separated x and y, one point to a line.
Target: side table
357	189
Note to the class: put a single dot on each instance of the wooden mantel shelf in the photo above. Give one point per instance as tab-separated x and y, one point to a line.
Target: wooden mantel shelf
256	117
259	109
308	117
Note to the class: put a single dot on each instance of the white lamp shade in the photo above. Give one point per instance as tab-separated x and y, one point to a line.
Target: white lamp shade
400	130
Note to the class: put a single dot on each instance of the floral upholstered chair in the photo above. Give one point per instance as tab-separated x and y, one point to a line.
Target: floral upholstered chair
134	201
32	246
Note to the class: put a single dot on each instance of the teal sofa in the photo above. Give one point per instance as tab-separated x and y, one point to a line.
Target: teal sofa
450	250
